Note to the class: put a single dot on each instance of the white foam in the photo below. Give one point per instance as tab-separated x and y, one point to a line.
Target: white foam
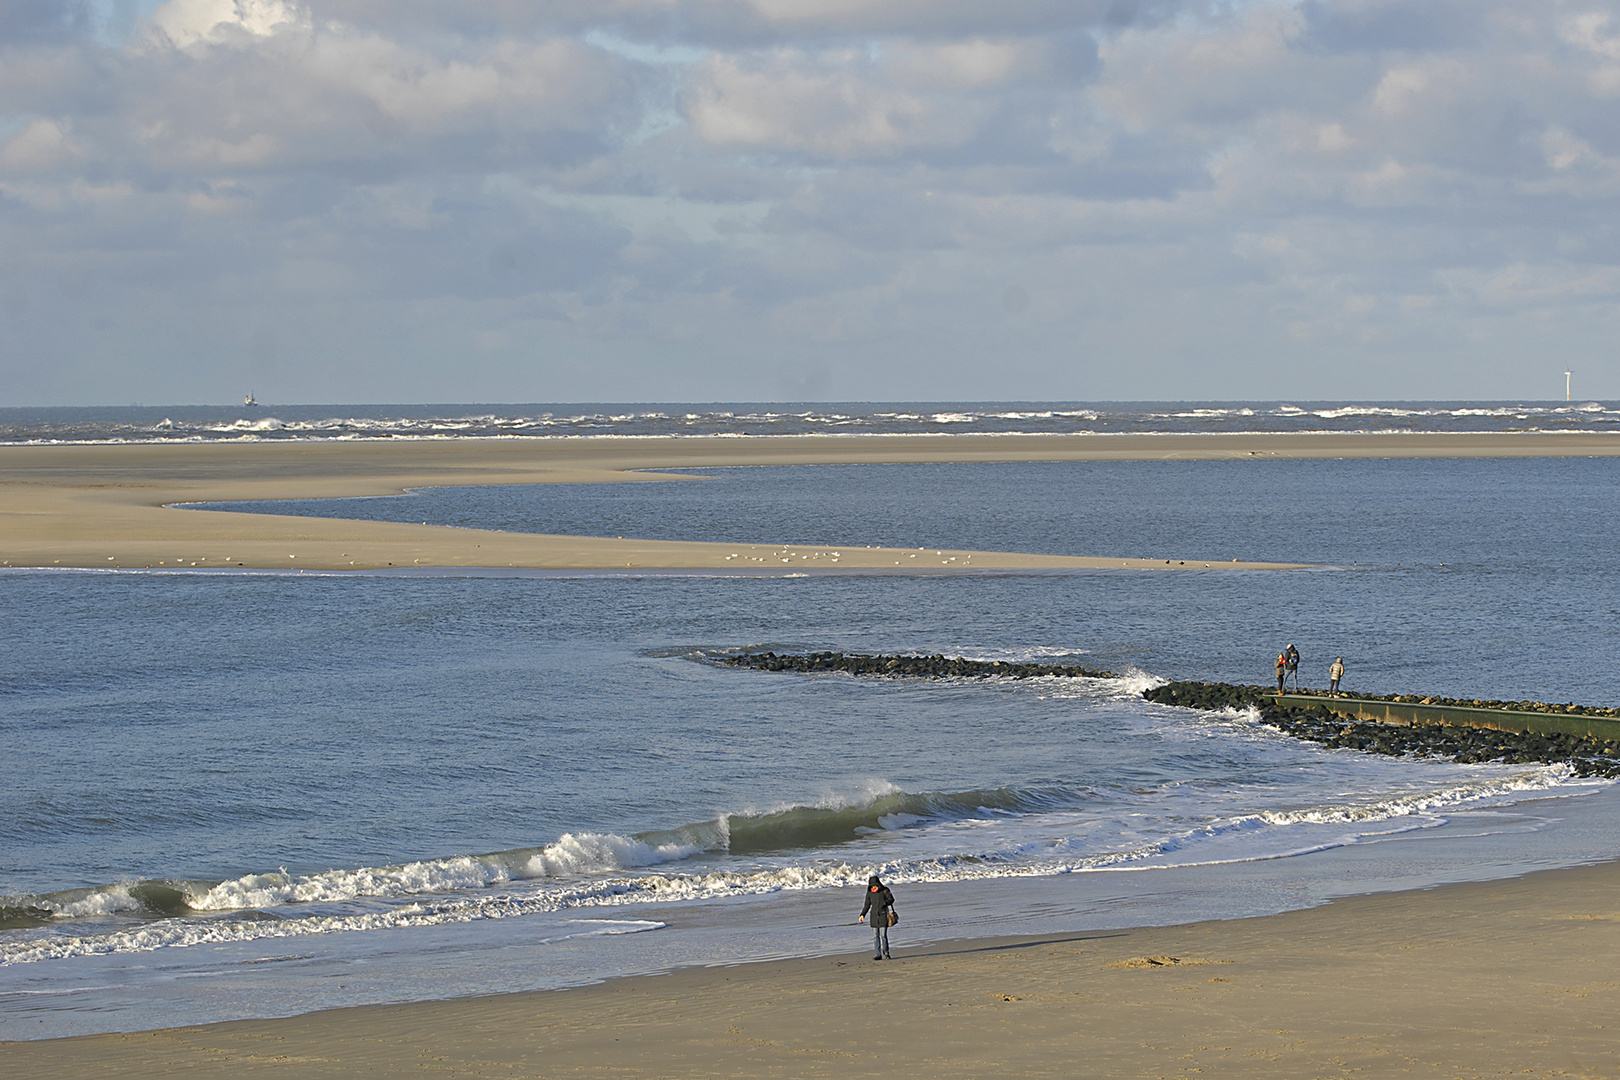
110	900
1133	682
572	855
1028	654
1538	780
1127	685
605	928
587	853
726	424
1041	845
274	890
183	933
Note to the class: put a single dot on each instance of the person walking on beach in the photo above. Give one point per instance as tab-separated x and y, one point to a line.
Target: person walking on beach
1293	663
1335	673
880	903
1282	670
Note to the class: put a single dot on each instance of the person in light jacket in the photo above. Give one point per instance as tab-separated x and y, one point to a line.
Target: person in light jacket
879	902
1335	673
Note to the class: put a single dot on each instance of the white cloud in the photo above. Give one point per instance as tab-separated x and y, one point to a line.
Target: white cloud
1593	31
190	23
1400	87
1175	75
329	96
830	105
44	144
754	23
857	186
963	65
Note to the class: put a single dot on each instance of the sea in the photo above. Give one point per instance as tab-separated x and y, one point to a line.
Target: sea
248	794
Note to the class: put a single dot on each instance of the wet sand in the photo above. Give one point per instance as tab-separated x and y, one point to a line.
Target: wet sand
1509	978
111	506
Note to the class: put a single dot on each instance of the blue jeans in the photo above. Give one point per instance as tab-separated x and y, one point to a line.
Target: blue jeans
880	941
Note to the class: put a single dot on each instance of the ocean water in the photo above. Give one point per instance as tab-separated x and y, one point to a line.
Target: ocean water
270	421
252	794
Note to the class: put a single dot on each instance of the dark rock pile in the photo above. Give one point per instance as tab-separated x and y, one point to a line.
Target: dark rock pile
934	666
1567	709
1210	695
1315	723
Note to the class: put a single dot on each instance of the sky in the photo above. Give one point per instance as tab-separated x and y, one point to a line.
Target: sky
798	200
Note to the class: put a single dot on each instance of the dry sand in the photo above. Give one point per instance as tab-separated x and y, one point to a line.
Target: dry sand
105	505
1513	978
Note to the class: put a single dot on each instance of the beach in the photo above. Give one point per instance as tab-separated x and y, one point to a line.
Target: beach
528	824
114	506
1502	978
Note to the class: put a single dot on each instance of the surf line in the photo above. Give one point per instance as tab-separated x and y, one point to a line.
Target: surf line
1468	731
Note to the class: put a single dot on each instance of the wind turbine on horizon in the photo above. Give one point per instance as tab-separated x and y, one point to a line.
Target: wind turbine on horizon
1567	374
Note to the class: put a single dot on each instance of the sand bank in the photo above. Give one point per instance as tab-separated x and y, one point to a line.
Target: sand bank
105	505
1480	980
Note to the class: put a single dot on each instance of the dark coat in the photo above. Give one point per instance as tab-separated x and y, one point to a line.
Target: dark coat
878	903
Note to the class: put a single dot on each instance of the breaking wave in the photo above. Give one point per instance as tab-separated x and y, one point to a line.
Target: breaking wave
204	424
793	848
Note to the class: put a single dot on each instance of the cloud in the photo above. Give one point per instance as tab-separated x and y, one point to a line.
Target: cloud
1105	197
38	21
192	23
41	146
822	104
755	23
263	89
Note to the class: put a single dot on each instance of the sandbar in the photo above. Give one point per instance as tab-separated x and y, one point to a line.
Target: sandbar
113	506
1493	979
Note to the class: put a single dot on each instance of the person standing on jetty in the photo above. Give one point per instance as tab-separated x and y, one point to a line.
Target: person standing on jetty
1335	673
1282	670
880	902
1293	663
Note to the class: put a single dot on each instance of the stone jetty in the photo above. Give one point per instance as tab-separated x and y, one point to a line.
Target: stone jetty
1586	737
1565	709
1461	729
926	666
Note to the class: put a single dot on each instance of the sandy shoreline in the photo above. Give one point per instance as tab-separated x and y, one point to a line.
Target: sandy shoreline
113	506
1499	978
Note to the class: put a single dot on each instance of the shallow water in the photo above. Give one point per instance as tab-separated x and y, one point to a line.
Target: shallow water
249	794
1455	576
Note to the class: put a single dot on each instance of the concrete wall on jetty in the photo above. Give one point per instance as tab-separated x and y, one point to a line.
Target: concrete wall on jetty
1404	714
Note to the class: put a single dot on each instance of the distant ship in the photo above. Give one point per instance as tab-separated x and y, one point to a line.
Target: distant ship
250	402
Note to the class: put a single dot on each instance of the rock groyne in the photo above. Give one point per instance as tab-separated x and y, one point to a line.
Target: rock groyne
936	666
1565	709
1483	734
1327	722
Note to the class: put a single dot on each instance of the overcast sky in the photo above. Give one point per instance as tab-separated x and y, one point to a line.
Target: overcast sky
699	200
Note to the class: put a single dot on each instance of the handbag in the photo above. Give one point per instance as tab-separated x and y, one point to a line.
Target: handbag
894	916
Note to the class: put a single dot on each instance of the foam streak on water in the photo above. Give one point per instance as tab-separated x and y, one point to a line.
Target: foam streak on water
278	423
909	837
